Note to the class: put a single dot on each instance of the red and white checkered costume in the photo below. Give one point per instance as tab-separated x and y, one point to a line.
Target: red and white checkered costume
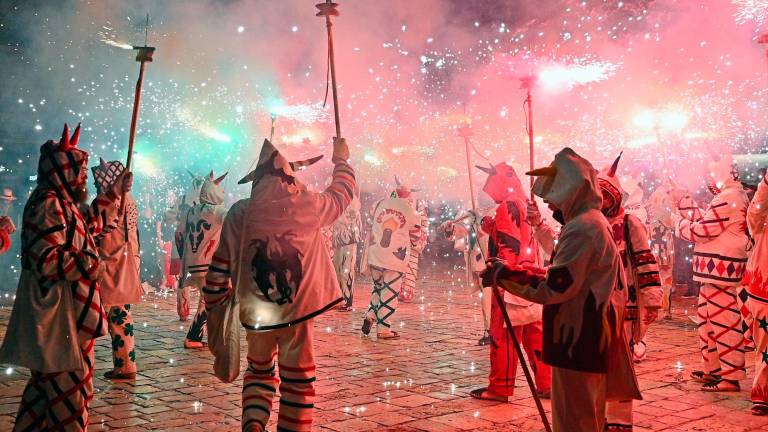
719	262
756	282
57	314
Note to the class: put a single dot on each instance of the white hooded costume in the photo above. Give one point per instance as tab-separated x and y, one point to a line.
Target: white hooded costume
583	296
273	259
719	263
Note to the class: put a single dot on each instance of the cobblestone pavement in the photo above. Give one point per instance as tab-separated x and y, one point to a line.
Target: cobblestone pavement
418	383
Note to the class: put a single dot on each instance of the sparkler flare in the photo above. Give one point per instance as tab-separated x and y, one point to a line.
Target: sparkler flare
557	76
305	113
751	10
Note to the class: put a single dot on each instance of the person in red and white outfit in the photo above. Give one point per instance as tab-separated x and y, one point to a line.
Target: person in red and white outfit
273	260
756	283
57	314
719	262
510	239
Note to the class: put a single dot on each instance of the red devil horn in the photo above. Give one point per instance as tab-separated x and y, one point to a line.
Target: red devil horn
75	137
103	165
219	180
615	166
64	141
210	175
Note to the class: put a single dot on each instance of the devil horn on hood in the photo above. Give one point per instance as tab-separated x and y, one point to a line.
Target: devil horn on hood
64	141
210	175
397	182
220	179
548	171
253	175
301	164
191	174
75	137
103	165
615	166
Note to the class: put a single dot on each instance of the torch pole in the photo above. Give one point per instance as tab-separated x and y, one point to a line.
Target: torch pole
143	56
327	10
529	102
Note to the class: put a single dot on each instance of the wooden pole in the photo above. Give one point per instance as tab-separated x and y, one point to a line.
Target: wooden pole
144	56
327	9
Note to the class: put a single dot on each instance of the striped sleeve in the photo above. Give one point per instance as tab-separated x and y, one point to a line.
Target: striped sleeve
102	216
644	264
757	215
49	233
709	226
218	280
332	202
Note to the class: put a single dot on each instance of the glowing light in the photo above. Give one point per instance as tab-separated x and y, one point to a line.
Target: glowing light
672	119
214	134
372	159
240	29
301	136
557	76
751	10
306	113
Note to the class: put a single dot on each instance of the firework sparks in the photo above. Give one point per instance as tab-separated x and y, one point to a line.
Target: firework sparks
751	10
306	113
111	40
557	76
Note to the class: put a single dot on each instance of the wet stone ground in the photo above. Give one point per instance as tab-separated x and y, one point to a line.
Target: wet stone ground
418	383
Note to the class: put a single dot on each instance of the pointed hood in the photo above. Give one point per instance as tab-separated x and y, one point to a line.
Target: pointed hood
274	171
62	164
271	162
569	183
105	174
610	186
502	183
212	191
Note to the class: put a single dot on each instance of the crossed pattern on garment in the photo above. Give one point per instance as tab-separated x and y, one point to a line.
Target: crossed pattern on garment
58	401
384	295
720	333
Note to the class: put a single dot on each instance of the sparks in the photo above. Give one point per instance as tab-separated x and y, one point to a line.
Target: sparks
558	76
751	10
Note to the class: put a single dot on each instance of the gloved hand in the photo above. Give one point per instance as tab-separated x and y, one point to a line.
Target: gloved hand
123	184
487	224
6	224
532	214
340	149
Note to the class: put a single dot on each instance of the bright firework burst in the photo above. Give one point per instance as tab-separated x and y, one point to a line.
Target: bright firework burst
558	76
306	113
751	10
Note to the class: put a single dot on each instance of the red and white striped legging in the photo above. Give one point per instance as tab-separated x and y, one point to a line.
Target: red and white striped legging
296	365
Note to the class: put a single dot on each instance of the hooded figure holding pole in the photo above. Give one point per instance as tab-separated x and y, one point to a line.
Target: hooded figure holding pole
583	293
120	282
644	293
57	314
197	237
273	260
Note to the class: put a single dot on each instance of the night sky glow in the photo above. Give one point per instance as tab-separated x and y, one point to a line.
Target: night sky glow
640	76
